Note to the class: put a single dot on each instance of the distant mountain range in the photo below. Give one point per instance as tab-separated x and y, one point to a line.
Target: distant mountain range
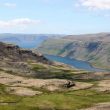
26	40
23	40
94	48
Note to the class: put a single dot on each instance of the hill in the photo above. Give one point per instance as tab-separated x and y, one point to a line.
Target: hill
26	40
29	81
94	48
25	62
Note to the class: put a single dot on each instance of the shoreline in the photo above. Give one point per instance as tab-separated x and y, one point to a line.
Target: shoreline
92	67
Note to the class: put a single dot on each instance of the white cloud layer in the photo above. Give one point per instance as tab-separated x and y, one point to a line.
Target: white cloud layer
12	5
95	4
21	22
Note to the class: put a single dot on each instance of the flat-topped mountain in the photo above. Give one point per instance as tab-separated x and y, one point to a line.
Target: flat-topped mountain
105	37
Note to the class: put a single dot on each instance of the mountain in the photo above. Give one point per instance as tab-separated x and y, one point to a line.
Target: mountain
23	40
24	62
17	60
26	40
29	81
94	48
15	53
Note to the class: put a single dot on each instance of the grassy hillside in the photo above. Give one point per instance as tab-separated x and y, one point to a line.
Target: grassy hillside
52	101
29	81
53	46
95	50
80	96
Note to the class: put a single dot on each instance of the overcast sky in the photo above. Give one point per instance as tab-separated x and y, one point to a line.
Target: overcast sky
54	16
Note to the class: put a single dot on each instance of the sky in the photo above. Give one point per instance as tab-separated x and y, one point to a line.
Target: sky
54	16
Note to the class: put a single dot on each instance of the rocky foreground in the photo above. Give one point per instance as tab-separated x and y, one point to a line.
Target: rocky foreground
22	86
29	81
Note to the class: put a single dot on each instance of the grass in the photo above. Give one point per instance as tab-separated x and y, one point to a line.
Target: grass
73	100
53	46
7	98
55	72
61	101
37	67
67	100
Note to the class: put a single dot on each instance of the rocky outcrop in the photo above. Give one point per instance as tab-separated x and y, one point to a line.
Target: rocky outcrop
16	60
18	84
15	53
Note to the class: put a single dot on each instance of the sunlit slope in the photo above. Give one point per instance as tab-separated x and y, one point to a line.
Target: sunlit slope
95	50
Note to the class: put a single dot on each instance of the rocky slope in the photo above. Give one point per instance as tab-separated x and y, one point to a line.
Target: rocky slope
18	61
15	53
94	48
28	81
15	59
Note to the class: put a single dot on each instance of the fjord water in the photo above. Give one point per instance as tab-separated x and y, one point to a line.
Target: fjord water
73	62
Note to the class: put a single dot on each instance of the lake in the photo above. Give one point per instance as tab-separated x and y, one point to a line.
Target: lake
83	65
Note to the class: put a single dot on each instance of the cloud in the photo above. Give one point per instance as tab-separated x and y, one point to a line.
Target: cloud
12	5
21	22
95	4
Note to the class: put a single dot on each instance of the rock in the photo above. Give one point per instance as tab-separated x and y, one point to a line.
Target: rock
69	84
48	84
21	91
15	53
16	60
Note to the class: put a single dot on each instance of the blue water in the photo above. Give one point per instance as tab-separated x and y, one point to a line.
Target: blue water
83	65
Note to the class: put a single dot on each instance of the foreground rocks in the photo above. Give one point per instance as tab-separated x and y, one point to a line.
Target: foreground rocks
22	91
49	84
103	86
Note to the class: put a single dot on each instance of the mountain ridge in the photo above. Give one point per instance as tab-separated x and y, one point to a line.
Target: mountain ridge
27	41
95	49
